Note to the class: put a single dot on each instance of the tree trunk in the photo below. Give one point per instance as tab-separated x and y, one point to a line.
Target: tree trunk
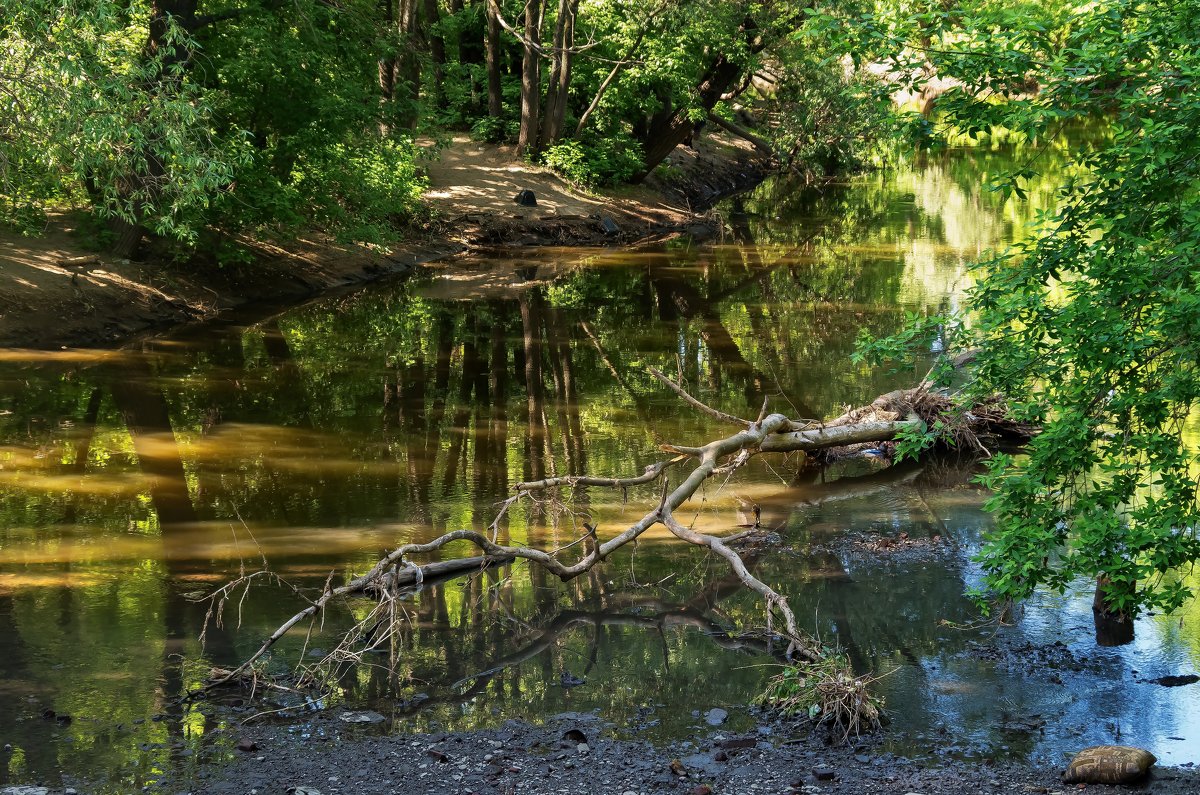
560	73
531	80
437	48
670	131
400	75
495	93
129	233
1113	628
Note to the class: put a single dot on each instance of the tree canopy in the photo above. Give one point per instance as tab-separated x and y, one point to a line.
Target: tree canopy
1091	325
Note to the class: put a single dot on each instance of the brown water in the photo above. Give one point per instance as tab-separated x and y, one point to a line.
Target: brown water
133	481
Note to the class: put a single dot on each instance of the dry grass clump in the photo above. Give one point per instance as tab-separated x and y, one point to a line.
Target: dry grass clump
828	693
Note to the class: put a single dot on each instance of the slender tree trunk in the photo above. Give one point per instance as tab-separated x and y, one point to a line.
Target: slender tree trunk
495	93
531	80
471	45
608	81
400	75
437	47
560	73
129	233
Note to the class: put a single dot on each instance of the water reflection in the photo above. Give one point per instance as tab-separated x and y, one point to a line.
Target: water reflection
131	480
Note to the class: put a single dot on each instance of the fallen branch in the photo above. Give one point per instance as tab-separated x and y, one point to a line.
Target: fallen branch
395	575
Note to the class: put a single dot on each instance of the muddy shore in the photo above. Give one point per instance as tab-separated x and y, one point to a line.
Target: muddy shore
56	293
579	753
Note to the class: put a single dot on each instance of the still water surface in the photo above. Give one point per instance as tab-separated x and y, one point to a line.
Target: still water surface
133	481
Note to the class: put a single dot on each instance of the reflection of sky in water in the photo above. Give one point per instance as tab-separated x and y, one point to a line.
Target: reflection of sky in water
333	432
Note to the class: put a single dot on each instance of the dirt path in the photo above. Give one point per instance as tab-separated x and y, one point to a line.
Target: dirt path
474	186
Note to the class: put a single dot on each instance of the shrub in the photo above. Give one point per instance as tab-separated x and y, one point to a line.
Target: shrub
604	161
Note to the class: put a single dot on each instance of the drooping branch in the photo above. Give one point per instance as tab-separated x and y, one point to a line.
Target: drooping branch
757	141
679	390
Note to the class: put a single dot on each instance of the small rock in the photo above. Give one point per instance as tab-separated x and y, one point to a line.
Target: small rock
703	789
526	198
366	716
609	226
677	768
25	791
822	773
303	791
247	746
720	756
582	748
716	716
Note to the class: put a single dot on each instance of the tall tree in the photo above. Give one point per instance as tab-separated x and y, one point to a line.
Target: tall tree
531	78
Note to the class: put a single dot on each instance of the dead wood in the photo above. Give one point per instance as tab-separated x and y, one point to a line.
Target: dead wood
395	575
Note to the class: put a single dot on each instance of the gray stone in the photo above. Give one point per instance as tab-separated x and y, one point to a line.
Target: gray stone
716	716
366	716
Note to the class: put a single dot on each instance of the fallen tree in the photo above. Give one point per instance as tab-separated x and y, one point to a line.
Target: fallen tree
395	575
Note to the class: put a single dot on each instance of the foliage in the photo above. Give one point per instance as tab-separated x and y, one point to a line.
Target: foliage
605	161
270	117
827	692
1089	327
87	111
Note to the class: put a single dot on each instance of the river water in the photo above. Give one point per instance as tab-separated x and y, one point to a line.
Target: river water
133	482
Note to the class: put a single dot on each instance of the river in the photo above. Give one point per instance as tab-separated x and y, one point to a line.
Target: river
132	482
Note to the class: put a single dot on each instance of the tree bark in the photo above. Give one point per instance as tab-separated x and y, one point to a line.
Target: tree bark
560	73
437	48
495	93
531	80
400	75
130	231
669	130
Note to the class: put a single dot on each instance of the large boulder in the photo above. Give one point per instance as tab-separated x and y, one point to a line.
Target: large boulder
1108	764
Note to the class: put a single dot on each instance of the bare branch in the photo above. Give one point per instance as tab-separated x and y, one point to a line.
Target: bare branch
710	411
798	644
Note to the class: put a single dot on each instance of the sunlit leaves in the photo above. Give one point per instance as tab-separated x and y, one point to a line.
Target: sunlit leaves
1089	326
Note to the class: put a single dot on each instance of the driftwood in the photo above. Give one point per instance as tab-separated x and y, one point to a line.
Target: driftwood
880	422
